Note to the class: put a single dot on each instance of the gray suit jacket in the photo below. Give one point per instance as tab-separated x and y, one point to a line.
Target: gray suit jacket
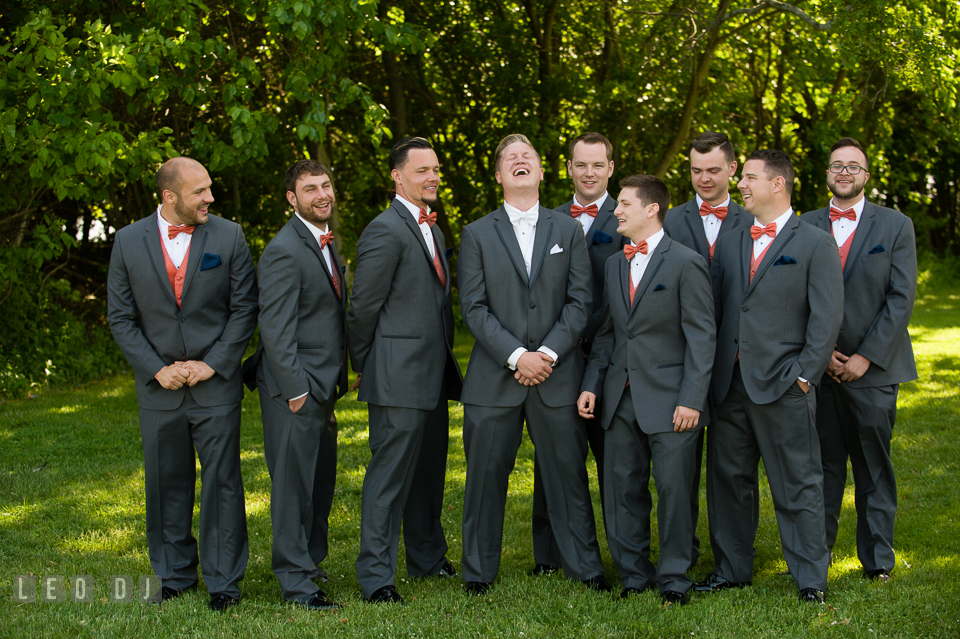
400	322
664	344
683	224
880	285
505	309
785	323
302	338
214	324
602	241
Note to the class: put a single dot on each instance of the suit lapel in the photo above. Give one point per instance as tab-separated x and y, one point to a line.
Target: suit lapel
311	243
197	242
695	224
733	218
860	237
823	221
414	228
440	247
656	260
779	242
541	240
602	218
155	250
624	272
509	238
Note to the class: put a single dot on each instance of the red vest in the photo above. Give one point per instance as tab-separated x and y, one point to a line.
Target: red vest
176	275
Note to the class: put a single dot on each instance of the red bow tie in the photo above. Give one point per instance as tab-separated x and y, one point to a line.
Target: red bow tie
630	250
590	209
836	214
719	211
430	219
756	232
173	231
325	240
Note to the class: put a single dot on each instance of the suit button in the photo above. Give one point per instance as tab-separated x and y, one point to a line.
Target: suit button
532	306
183	320
630	336
735	340
745	309
533	342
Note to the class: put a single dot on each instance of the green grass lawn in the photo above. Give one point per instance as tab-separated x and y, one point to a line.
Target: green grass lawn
71	503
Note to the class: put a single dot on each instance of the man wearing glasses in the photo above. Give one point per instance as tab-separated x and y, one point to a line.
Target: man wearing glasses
873	355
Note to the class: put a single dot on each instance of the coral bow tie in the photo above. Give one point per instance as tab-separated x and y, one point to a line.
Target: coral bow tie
836	214
173	231
325	240
590	209
430	219
719	211
630	250
756	232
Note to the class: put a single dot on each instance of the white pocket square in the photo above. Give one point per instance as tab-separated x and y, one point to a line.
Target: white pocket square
556	249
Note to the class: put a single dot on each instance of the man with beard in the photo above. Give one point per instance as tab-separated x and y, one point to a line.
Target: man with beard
873	356
525	296
698	224
182	305
301	372
778	298
401	339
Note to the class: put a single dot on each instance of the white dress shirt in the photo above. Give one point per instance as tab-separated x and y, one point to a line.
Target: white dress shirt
711	223
765	240
525	227
177	247
638	265
586	221
425	230
844	228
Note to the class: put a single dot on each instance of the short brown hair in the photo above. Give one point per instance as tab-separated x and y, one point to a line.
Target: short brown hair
650	190
710	140
401	150
591	138
842	142
301	168
776	164
512	139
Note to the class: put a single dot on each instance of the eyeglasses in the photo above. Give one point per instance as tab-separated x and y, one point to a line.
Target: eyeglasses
852	169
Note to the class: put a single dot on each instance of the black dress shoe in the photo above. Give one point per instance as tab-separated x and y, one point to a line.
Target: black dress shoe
811	595
629	591
880	574
715	582
673	598
446	570
167	593
477	588
387	594
542	570
598	583
220	601
318	601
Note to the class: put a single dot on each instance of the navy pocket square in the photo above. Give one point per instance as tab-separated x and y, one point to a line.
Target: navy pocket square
784	260
877	249
209	261
449	253
659	287
343	269
601	238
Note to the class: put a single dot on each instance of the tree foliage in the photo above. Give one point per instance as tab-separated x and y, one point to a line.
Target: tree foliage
95	94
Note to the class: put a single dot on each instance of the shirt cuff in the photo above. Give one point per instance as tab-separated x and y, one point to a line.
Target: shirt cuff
293	399
549	351
514	358
803	380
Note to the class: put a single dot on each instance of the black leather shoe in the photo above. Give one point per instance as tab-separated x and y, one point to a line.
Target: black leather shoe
880	574
598	583
387	594
318	601
811	595
220	601
673	598
477	588
446	570
715	582
167	593
542	570
632	591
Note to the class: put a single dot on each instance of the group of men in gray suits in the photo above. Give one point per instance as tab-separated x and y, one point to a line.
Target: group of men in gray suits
617	325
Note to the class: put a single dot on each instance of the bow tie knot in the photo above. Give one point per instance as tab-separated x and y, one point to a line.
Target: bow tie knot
326	239
590	209
720	212
429	218
173	231
629	250
836	214
756	232
530	217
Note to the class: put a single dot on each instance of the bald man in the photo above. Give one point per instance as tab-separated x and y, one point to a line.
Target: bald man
182	305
